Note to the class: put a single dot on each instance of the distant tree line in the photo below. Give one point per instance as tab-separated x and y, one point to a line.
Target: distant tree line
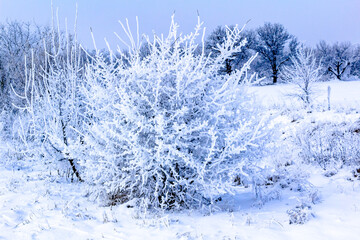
23	44
275	47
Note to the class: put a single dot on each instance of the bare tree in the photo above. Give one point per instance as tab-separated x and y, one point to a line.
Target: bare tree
304	71
16	41
275	47
336	58
342	58
21	44
237	59
355	66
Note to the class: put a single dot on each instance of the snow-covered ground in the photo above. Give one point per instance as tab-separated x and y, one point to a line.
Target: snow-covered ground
33	206
342	94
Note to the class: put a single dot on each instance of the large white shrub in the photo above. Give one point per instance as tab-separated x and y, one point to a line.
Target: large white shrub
165	130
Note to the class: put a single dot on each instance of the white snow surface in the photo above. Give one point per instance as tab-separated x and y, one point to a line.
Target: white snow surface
33	206
342	94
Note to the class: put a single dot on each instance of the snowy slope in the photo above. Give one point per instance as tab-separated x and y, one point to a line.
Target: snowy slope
342	94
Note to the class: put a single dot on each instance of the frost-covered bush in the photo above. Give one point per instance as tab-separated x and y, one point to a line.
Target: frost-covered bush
166	131
304	71
330	145
280	170
51	114
300	214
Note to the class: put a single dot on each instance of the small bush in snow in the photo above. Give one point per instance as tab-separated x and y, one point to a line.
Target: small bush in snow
278	176
330	145
300	214
165	130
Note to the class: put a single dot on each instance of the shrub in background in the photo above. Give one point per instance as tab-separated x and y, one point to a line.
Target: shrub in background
330	145
304	71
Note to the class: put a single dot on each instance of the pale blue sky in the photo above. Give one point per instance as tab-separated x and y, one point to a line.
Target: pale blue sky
309	20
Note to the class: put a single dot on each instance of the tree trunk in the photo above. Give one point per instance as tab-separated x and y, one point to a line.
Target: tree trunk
228	66
275	74
275	79
338	75
71	161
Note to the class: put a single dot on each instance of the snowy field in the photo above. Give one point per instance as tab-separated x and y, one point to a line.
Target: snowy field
343	94
36	206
